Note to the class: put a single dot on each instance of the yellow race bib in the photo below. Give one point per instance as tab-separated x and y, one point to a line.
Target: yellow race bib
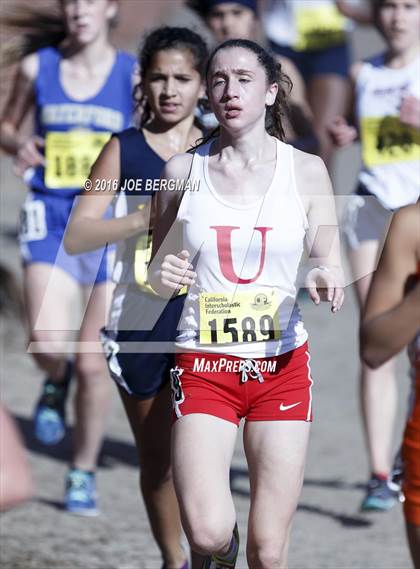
319	27
240	317
142	258
141	261
386	140
70	156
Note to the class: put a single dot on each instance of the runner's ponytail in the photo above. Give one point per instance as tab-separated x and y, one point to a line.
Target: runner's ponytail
280	109
32	29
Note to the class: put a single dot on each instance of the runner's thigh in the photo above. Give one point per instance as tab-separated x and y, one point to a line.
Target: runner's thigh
276	452
202	449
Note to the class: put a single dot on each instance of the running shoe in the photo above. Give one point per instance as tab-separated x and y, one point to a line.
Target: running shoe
397	471
227	561
381	495
49	416
81	497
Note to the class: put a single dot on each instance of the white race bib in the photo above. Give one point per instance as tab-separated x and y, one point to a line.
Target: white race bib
33	225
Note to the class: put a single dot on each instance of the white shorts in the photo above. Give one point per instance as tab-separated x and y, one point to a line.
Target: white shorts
365	219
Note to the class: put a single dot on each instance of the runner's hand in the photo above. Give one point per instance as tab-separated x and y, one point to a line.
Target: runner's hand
176	271
410	111
29	155
325	286
341	133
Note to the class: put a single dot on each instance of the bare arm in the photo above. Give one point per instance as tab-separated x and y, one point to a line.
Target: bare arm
170	269
28	151
322	271
87	230
343	130
392	314
360	12
20	100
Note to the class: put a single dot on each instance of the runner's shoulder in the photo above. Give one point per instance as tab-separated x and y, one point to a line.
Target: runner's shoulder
311	173
29	66
311	163
406	223
178	167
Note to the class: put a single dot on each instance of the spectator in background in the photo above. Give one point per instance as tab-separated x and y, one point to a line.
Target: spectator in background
233	20
387	97
314	36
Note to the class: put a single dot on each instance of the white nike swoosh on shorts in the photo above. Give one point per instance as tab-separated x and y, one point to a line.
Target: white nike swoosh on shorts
287	407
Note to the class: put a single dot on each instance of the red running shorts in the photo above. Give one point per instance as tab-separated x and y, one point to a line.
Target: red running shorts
411	458
278	388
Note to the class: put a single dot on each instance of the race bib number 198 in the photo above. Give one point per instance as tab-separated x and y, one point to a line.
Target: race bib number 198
70	156
242	317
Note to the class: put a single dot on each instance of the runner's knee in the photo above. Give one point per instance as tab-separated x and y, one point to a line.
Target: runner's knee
47	344
91	370
47	350
209	536
268	554
155	466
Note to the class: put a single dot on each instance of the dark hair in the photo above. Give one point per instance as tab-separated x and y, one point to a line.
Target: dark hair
274	74
376	8
34	28
162	39
204	7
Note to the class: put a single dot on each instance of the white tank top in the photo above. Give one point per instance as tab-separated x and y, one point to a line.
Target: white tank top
305	25
390	149
243	302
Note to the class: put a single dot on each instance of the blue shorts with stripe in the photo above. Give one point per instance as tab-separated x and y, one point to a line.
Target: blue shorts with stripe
139	340
43	221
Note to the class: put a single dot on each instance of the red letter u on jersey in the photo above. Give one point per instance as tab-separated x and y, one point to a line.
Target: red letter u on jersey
224	252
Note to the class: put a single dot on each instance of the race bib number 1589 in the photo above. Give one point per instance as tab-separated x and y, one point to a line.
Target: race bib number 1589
242	317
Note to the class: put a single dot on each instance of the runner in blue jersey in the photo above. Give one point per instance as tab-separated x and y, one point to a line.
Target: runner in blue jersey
142	326
79	88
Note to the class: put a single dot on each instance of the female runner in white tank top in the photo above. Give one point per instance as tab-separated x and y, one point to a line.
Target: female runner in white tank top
387	105
242	350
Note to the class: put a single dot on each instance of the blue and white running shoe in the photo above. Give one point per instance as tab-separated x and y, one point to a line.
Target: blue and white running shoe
381	495
49	416
81	497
